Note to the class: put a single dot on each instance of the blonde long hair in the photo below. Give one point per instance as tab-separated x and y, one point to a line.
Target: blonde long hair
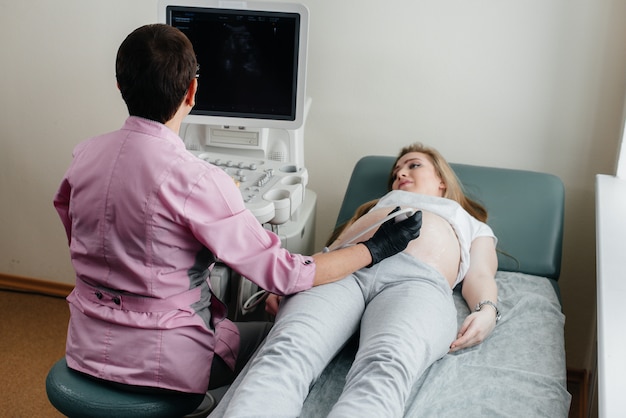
454	188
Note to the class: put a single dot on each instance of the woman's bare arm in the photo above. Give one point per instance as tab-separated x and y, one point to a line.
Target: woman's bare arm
479	285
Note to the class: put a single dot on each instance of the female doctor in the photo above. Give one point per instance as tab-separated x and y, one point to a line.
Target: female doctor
145	222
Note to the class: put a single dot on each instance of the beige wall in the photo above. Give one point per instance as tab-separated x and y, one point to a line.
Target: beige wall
531	84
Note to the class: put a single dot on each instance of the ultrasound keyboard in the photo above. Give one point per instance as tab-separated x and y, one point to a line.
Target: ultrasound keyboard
271	190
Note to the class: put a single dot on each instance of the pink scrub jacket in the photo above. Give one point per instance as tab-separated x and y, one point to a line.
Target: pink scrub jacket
145	221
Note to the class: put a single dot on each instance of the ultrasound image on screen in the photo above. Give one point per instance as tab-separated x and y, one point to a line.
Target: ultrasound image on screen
248	61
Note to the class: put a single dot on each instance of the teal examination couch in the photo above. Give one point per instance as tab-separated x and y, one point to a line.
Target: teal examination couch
519	371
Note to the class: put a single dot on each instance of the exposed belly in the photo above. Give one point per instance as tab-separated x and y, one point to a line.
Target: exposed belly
437	245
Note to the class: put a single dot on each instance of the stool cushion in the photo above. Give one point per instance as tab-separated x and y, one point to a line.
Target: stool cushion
77	395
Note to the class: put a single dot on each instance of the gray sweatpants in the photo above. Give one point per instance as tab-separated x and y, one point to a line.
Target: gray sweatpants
407	321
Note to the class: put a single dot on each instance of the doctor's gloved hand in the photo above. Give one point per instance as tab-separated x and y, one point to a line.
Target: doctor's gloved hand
393	237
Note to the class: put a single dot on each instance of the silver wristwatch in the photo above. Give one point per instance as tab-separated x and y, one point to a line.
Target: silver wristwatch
490	303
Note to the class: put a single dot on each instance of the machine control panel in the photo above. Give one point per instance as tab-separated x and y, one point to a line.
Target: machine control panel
271	190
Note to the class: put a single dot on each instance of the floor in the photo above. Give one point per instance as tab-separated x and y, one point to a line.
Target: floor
32	338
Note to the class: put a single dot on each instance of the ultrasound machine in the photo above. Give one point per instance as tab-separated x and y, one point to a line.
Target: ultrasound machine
249	117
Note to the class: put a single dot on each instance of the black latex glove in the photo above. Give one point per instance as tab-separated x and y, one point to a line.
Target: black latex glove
393	237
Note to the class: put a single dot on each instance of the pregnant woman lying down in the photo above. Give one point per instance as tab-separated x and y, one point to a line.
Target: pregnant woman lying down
402	308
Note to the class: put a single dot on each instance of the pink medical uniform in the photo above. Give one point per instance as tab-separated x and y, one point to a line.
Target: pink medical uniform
145	221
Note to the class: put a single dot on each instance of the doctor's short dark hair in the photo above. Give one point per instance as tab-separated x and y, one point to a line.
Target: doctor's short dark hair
154	68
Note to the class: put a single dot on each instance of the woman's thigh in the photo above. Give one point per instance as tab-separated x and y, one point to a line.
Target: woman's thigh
411	312
413	316
409	323
310	328
323	317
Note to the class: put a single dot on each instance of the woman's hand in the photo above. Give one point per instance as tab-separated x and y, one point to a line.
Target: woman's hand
272	303
476	327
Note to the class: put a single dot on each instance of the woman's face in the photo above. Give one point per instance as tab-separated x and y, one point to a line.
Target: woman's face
415	172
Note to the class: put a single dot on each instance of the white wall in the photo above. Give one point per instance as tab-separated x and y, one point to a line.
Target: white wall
531	84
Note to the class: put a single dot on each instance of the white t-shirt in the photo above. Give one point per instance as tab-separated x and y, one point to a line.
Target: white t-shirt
466	227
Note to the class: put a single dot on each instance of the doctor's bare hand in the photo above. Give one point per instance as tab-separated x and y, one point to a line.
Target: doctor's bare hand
272	304
393	237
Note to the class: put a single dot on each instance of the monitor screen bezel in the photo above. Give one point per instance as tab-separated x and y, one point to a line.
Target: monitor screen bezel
265	121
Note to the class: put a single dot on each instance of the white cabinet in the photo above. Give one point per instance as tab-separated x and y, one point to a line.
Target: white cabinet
611	294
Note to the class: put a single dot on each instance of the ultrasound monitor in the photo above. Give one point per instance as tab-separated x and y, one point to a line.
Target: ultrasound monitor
252	61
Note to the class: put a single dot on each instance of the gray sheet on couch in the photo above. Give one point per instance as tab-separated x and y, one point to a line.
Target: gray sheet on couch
518	372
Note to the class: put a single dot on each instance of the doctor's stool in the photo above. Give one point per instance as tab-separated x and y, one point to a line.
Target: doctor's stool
77	395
